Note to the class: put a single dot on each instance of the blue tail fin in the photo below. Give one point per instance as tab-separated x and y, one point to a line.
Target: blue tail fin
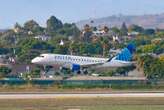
126	53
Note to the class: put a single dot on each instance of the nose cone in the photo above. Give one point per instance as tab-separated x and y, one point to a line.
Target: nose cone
35	61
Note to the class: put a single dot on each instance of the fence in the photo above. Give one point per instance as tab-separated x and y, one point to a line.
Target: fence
72	82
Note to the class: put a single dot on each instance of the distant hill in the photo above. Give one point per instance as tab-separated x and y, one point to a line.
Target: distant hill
147	21
3	30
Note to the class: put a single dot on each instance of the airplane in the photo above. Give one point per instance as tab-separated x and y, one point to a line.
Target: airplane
78	63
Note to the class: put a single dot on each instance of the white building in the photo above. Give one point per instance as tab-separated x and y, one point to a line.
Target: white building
43	37
133	33
99	32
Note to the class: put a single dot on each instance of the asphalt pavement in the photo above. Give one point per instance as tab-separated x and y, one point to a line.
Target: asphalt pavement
78	95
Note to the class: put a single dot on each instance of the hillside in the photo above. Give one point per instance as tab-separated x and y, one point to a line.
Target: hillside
3	30
147	21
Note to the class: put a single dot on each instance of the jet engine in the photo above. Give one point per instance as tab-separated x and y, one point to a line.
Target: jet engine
75	68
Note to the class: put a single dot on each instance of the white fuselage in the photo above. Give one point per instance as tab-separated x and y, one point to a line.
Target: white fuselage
68	60
52	59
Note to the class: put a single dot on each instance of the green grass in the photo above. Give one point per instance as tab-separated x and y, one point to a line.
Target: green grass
84	104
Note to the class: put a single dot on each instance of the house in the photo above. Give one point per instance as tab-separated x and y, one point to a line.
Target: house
99	33
132	35
43	37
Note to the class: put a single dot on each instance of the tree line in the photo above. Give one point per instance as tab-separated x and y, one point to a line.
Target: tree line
20	43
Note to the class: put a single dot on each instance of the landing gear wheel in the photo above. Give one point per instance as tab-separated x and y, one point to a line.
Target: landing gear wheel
79	72
85	72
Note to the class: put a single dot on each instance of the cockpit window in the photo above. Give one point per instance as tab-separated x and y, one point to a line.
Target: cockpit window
41	56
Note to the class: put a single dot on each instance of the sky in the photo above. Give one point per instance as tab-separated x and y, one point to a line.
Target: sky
12	11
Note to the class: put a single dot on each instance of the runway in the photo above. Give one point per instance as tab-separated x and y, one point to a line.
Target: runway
80	95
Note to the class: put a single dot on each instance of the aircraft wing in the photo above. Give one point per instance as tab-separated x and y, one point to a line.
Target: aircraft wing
91	65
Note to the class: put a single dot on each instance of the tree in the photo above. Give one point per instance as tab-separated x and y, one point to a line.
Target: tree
17	26
35	73
33	26
149	31
7	39
124	70
136	28
53	24
74	48
124	30
106	29
161	58
141	40
4	71
152	67
61	49
104	43
30	25
69	30
87	28
30	48
87	33
95	29
115	30
147	48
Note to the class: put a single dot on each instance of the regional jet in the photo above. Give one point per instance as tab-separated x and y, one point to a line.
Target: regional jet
77	63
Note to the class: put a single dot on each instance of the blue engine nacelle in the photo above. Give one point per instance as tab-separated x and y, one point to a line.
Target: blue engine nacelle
75	67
